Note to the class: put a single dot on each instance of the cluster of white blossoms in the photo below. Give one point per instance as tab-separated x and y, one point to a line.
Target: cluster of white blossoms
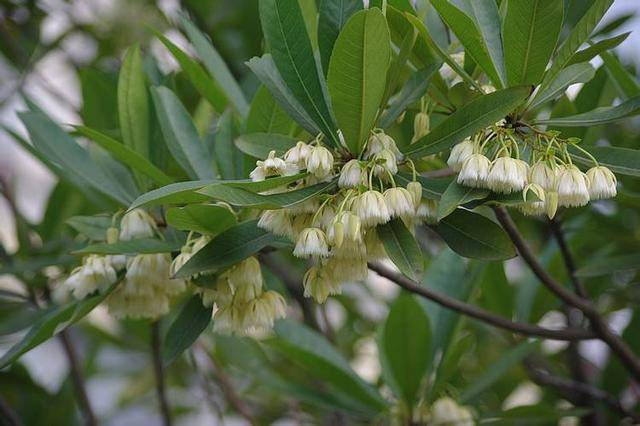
336	230
492	160
242	306
147	286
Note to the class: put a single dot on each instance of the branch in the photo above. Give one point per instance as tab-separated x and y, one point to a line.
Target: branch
84	404
569	387
159	373
569	263
479	313
617	345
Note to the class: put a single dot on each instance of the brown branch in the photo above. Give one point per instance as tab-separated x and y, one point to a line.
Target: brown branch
158	370
229	391
78	380
567	257
479	313
571	388
615	343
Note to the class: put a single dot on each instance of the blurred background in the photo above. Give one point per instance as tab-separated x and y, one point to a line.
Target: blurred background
54	51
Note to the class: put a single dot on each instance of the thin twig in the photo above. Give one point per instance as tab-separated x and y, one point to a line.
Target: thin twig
567	257
479	313
573	388
599	326
78	379
158	369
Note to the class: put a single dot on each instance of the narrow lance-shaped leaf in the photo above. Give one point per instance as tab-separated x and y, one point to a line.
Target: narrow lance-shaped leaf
192	320
595	49
531	31
259	145
285	31
216	66
478	114
576	73
202	218
333	14
181	135
598	116
457	195
133	107
626	83
625	161
265	115
358	74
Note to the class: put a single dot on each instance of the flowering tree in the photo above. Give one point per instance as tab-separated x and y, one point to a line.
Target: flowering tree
425	144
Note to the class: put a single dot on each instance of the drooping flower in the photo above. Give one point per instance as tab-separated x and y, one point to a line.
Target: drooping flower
372	209
272	166
400	202
475	171
386	163
298	155
602	183
544	175
311	242
507	175
95	274
537	207
135	224
320	162
352	175
319	285
428	211
459	154
276	222
573	187
415	188
420	126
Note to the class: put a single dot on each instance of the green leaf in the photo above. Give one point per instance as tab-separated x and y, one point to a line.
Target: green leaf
259	145
587	54
229	247
472	235
576	73
57	319
333	14
597	116
202	218
579	35
626	83
286	35
266	116
181	135
192	320
496	370
358	74
126	155
432	189
401	247
312	351
243	198
481	112
69	157
141	245
405	340
99	98
413	90
265	69
203	83
175	193
94	227
228	157
216	66
531	30
133	103
610	265
620	160
457	195
476	23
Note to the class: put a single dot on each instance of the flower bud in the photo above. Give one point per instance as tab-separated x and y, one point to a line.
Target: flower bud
536	207
551	203
336	234
475	171
415	188
459	154
420	126
602	183
320	162
351	175
311	242
112	235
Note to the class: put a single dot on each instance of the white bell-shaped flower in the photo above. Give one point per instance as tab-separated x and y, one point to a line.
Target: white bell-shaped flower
352	174
415	188
400	202
298	155
602	183
95	274
541	173
459	154
320	162
319	285
475	171
386	163
135	224
277	222
428	211
372	209
311	242
420	126
573	187
507	175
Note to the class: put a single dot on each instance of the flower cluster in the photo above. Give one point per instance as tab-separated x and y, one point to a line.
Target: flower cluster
492	160
336	231
147	285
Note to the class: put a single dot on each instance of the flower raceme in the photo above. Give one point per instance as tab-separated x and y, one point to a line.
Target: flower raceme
552	181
